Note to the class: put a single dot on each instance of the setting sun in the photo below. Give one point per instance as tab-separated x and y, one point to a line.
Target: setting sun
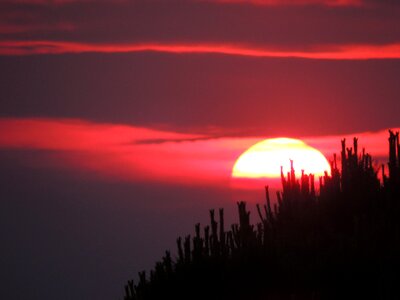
264	159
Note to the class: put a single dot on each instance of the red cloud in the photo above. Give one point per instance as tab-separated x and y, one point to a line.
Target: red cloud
336	52
119	152
122	152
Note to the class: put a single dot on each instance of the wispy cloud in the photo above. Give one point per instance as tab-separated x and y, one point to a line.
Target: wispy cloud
335	52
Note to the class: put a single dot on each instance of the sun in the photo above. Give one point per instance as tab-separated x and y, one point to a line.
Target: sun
264	159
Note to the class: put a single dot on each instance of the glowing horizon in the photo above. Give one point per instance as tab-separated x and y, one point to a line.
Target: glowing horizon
122	152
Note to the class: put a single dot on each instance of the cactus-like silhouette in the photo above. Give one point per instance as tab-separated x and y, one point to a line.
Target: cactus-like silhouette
343	242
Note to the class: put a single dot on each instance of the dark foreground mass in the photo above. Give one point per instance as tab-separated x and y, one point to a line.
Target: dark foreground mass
340	244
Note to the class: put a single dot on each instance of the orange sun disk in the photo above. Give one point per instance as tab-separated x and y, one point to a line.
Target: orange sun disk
265	159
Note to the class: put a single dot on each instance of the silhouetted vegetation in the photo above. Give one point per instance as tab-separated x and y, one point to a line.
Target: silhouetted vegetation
340	243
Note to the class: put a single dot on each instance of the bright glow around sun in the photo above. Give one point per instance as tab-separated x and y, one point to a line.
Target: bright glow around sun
265	159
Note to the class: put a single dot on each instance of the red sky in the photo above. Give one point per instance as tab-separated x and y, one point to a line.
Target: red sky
128	153
120	120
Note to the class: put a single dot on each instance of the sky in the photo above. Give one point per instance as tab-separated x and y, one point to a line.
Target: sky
120	121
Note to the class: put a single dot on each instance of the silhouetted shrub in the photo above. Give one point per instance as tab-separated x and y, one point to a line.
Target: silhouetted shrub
341	243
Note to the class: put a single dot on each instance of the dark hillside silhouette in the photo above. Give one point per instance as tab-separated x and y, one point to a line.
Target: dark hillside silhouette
340	243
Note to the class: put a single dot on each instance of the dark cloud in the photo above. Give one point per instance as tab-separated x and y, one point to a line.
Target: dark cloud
202	22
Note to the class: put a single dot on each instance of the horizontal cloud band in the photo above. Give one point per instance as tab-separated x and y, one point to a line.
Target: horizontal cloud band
333	52
123	152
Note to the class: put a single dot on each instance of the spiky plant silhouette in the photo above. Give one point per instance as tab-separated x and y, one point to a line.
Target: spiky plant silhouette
343	242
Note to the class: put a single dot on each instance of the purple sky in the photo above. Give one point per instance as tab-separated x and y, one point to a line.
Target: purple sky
201	79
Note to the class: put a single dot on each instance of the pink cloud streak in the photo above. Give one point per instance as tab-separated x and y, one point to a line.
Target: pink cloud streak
333	52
